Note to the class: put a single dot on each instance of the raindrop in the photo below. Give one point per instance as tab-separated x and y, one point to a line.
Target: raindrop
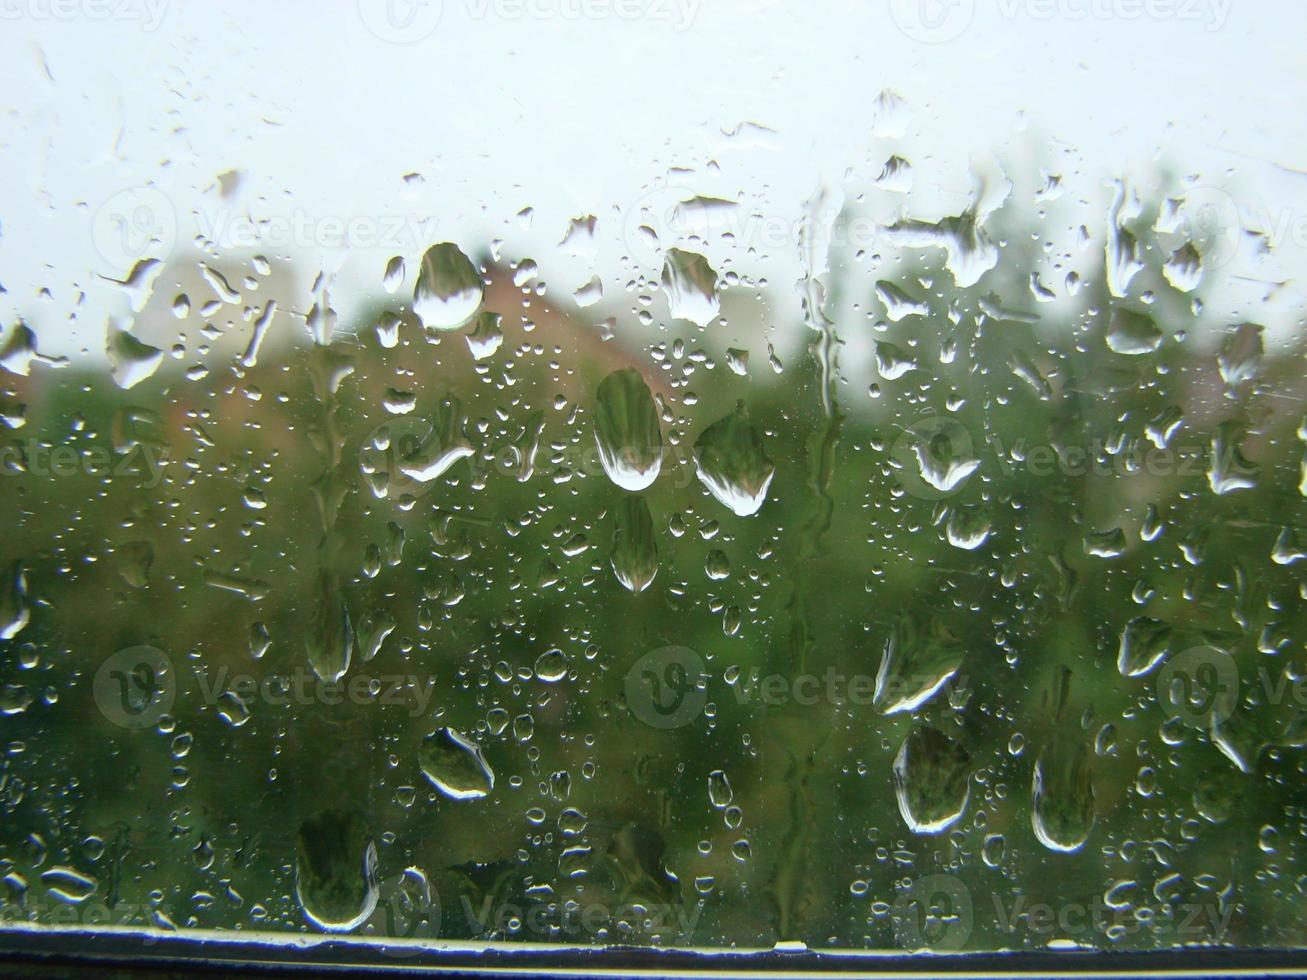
1133	333
931	780
691	287
393	277
449	288
336	871
720	794
731	462
551	666
1062	796
1145	642
634	557
917	662
131	360
455	766
627	434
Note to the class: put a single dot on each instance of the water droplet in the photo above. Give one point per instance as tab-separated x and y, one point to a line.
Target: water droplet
131	360
691	287
372	631
330	638
993	850
634	557
260	640
1062	796
1145	642
932	780
1105	544
441	448
967	527
455	766
232	709
738	361
1133	333
720	793
336	871
449	288
15	612
393	277
1288	549
892	361
551	666
731	462
589	293
1184	269
944	461
717	565
1122	248
627	434
388	330
918	661
968	252
68	884
484	338
895	175
899	304
1240	357
1230	471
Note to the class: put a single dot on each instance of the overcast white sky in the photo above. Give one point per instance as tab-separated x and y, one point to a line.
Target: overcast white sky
579	106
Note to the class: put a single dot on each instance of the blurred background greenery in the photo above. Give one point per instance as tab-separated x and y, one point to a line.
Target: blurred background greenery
262	521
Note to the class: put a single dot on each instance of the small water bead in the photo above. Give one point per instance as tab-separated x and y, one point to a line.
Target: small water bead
719	789
551	666
393	277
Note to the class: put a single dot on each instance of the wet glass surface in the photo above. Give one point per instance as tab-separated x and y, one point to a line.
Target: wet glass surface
655	473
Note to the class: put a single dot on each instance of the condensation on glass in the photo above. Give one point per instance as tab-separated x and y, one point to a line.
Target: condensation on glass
446	500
